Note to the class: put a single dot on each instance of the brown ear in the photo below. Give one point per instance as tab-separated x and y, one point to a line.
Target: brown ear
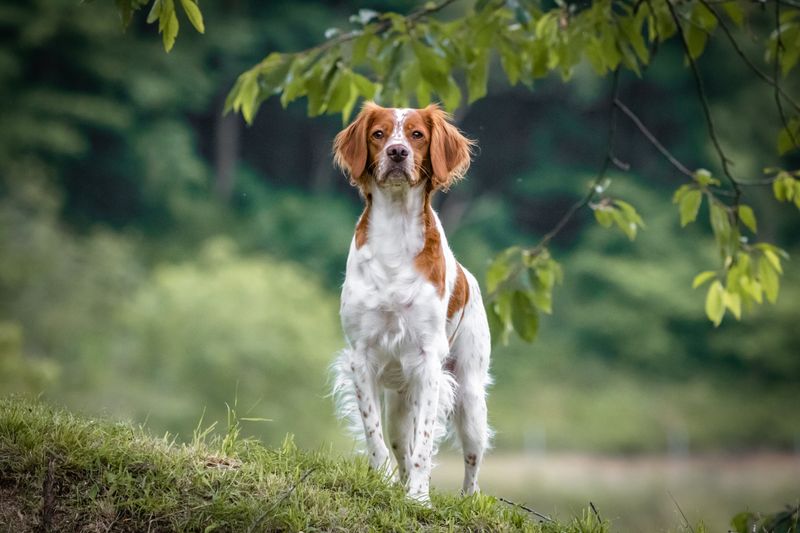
350	147
449	150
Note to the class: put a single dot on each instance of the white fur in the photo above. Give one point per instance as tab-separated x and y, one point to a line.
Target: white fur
398	338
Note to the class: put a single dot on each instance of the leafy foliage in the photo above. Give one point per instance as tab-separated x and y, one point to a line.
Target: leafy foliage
398	60
164	12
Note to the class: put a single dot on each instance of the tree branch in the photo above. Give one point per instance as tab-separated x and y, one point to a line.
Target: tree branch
382	27
652	138
593	190
778	49
773	82
524	508
704	101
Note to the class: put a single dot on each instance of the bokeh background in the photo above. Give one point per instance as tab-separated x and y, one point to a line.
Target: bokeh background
161	263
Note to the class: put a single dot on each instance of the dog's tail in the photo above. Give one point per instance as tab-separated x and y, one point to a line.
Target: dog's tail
444	415
344	394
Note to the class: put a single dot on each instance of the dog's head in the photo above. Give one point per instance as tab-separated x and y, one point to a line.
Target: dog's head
390	147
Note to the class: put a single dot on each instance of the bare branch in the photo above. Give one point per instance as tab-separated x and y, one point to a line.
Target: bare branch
595	511
607	161
773	82
681	511
525	508
652	138
778	49
701	93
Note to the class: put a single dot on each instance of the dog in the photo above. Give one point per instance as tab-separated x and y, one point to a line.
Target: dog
413	318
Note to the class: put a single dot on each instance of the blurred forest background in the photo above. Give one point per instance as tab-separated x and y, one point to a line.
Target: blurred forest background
159	260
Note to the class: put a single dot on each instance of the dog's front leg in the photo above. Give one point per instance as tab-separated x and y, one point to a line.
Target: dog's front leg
366	389
423	400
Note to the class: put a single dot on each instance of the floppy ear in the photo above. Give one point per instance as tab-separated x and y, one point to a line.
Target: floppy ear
350	148
449	149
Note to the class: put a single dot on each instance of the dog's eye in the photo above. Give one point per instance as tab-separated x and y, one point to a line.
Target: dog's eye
416	134
378	134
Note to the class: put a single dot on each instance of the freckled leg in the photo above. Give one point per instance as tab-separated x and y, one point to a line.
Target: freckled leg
366	389
473	431
400	429
423	396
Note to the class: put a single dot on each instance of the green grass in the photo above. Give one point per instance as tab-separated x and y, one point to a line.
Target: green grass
61	472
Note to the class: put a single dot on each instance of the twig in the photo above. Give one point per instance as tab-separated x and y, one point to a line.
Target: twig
778	48
773	82
595	511
701	93
681	511
280	500
652	138
608	159
524	508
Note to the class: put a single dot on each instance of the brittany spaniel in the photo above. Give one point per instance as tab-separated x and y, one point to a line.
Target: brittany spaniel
417	336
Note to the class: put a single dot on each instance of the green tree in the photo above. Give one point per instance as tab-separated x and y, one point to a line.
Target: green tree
400	59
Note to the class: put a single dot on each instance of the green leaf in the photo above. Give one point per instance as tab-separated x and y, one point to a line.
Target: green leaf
524	317
703	277
734	11
779	189
339	92
496	325
682	191
452	98
720	222
695	40
747	217
773	259
360	47
630	212
365	87
768	278
155	12
502	310
170	25
510	61
433	67
247	96
478	76
194	15
623	222
733	301
604	216
789	136
689	206
715	303
501	268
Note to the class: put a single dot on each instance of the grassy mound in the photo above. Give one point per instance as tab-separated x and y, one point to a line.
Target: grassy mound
59	472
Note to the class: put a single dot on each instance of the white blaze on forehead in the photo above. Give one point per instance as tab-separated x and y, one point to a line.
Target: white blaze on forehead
398	134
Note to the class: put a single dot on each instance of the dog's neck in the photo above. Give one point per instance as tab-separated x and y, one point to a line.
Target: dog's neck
396	221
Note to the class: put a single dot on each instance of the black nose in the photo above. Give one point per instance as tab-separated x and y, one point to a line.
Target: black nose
397	152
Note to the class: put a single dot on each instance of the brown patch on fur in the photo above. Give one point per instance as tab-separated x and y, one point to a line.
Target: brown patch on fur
363	223
471	459
350	149
449	149
430	260
460	295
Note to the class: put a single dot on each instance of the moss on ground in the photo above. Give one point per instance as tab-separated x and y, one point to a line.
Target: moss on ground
61	472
